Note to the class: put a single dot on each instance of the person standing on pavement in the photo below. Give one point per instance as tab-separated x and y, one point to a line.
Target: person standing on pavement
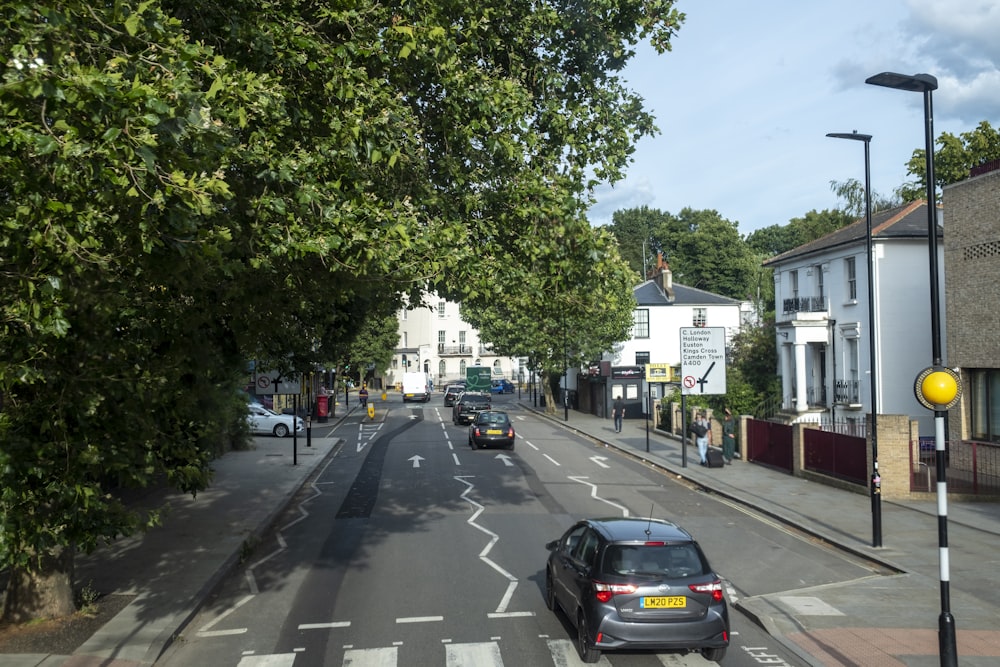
703	436
728	437
617	413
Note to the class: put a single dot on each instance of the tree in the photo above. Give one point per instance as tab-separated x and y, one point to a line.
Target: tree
953	160
574	306
185	186
703	249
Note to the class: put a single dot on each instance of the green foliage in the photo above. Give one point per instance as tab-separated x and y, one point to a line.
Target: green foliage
703	249
187	185
777	239
954	157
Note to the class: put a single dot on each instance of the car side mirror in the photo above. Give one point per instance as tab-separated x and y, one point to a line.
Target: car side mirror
552	546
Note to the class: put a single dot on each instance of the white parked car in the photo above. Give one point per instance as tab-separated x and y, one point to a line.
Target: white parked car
267	422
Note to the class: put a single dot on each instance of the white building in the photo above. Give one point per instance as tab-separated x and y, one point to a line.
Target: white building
822	318
438	342
662	309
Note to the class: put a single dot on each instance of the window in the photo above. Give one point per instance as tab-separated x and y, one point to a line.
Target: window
461	342
404	340
984	405
641	358
850	270
819	280
461	368
700	318
441	338
441	368
496	368
793	283
640	323
441	310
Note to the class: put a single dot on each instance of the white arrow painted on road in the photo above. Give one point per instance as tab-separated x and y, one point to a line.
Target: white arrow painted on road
416	458
600	460
506	459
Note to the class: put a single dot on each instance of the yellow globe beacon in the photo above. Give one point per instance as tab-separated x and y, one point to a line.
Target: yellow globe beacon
938	388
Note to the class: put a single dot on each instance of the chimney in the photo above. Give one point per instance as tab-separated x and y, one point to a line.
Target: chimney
663	277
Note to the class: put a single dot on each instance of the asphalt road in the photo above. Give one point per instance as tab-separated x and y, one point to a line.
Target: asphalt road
409	548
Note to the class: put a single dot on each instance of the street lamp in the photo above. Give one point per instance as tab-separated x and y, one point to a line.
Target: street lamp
876	480
926	84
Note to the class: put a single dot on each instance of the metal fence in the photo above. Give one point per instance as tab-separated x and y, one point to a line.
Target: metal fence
971	468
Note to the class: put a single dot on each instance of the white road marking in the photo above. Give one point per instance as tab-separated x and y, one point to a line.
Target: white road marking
600	460
371	657
494	538
506	459
419	619
593	494
481	654
552	459
324	626
416	458
274	660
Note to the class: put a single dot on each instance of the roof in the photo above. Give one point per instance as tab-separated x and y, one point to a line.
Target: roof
908	221
648	294
618	529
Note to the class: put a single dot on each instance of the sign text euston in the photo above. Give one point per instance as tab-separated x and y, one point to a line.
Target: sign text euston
703	360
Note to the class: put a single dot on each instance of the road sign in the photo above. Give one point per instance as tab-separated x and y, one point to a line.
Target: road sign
274	383
703	361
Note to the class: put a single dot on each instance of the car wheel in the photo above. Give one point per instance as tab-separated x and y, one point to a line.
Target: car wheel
714	654
472	443
280	430
588	654
550	591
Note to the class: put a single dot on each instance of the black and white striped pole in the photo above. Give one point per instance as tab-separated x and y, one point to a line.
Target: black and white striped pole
937	387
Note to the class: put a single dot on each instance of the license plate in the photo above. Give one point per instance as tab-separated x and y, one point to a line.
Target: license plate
494	431
664	602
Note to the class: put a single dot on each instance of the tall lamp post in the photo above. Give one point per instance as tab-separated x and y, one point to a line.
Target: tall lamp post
876	480
926	84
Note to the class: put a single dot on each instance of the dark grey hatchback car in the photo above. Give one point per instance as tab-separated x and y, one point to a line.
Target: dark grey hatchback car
636	584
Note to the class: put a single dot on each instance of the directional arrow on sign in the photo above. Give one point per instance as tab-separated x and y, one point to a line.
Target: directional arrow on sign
506	459
416	458
600	460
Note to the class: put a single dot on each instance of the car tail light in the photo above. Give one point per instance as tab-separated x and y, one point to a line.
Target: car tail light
510	432
714	589
605	592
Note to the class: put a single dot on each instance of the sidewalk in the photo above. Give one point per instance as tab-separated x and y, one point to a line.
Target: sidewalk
883	621
173	568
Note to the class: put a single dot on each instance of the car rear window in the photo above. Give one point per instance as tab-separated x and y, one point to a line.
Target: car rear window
493	418
674	561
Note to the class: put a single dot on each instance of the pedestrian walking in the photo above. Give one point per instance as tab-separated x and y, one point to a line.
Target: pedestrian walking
728	437
617	413
701	427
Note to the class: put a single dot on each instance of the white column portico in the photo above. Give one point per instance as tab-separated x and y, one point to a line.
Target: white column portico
801	390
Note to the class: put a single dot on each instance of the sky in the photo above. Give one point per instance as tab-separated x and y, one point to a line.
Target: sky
745	99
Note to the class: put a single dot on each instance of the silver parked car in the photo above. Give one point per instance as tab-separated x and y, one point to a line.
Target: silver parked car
268	422
631	583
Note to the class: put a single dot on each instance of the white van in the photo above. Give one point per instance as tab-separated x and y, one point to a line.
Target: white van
416	387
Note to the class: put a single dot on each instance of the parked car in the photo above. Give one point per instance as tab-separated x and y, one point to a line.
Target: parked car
451	394
634	583
502	386
268	422
491	428
468	404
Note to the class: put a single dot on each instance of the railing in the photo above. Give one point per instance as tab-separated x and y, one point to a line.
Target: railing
816	397
847	392
454	350
971	468
804	304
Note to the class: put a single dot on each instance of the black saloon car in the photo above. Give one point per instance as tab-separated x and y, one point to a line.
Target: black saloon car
467	405
636	584
491	429
451	394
